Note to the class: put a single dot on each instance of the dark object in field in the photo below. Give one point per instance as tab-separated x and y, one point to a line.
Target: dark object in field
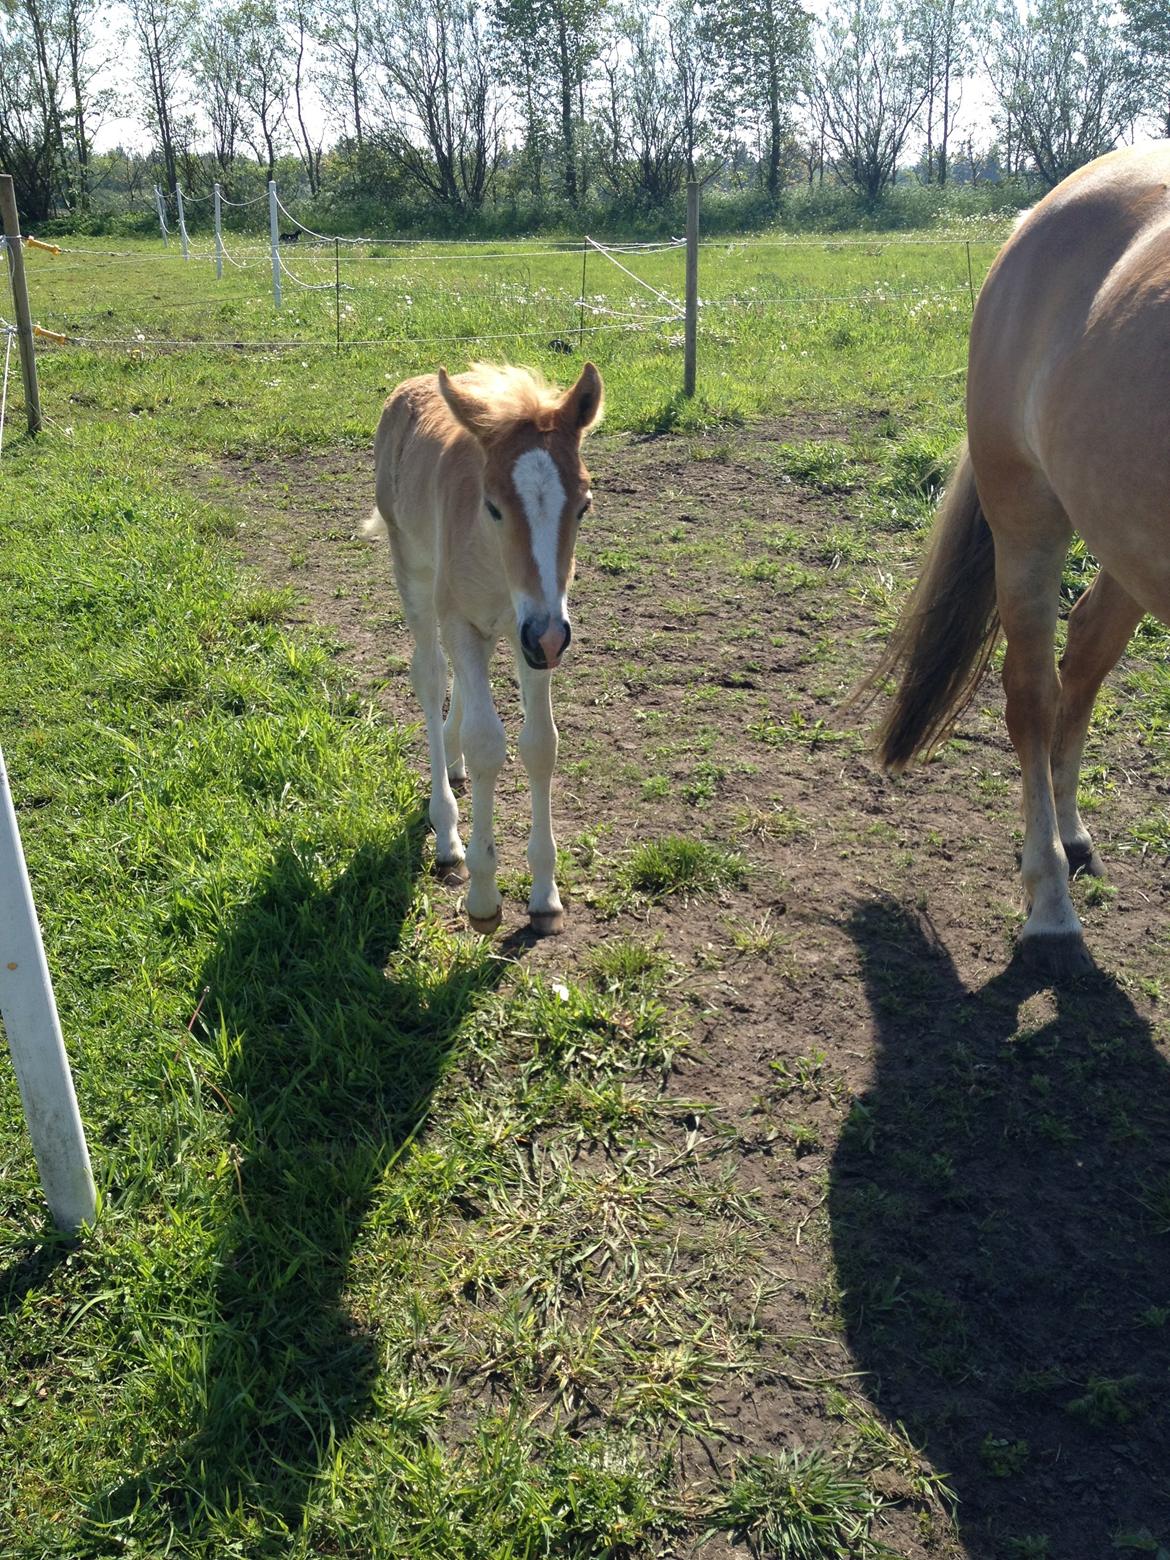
559	345
291	238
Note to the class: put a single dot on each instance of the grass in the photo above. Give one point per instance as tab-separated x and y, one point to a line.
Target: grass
820	325
408	1250
799	1506
680	865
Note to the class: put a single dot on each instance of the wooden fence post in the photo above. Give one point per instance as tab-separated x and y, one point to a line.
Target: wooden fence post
692	299
24	330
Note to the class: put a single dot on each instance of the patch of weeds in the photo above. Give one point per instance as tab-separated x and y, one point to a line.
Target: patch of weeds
615	560
826	466
797	1506
1141	1542
798	728
1108	1400
766	570
679	865
655	785
808	1076
1154	1316
1031	1546
776	822
1002	1458
1155	1199
762	939
703	783
624	964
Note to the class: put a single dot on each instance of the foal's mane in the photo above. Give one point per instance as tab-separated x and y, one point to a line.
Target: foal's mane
513	394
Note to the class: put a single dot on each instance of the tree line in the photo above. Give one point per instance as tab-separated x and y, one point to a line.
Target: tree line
554	106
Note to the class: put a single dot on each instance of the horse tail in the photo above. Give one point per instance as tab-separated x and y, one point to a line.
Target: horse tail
947	632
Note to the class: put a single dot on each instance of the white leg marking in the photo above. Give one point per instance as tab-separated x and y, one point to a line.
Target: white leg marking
428	672
538	750
485	749
452	735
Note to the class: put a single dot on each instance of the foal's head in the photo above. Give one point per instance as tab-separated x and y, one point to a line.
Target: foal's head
535	487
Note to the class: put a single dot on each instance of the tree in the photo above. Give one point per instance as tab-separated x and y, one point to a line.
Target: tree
265	60
561	41
1067	81
28	147
162	30
643	125
343	33
217	57
694	69
309	146
1148	30
869	86
940	31
437	86
762	47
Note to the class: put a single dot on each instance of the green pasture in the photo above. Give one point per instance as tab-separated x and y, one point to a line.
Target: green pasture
401	1253
874	323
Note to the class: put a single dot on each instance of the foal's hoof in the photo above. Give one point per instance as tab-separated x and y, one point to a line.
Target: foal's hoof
546	923
1083	861
485	925
1062	956
451	872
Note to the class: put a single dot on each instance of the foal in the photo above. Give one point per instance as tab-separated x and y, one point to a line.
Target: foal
481	489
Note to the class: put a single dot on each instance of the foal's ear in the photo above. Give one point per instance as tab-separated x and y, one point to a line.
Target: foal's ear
583	404
467	409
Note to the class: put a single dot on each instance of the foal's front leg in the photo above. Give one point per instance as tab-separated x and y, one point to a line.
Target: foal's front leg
484	750
538	750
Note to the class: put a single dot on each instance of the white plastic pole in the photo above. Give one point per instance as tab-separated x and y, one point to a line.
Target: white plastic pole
182	223
162	216
274	235
34	1037
218	236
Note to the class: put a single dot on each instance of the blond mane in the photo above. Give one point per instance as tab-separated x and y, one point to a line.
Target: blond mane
514	394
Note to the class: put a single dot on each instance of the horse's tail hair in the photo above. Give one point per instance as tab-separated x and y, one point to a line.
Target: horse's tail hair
947	632
374	525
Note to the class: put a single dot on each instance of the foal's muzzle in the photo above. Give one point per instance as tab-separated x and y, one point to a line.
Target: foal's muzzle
544	641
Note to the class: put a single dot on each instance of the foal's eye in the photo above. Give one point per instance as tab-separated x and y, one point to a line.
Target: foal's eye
492	510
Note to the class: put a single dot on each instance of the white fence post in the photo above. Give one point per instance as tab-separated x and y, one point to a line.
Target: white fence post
34	1037
182	223
218	236
274	235
162	216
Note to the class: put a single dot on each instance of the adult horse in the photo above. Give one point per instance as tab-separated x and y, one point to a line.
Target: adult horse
1068	429
481	488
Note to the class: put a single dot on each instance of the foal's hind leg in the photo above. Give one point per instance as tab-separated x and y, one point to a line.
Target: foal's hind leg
428	673
1030	547
1098	631
453	734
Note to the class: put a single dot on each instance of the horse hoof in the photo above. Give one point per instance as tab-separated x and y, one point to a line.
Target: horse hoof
1060	955
453	873
1084	861
546	923
486	925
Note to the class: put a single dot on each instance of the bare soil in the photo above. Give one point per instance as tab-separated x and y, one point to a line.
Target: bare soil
965	1193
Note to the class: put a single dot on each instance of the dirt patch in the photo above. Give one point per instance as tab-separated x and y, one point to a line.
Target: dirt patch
962	1176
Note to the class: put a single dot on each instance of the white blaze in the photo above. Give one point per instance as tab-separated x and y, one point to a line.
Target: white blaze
542	493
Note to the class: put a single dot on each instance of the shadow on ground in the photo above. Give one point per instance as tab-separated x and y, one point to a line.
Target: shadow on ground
334	1066
1000	1209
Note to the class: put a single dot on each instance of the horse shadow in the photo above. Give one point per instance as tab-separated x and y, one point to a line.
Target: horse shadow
1000	1208
333	1055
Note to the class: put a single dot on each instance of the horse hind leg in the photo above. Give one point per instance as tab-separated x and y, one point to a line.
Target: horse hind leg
1099	629
428	674
453	735
1031	541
